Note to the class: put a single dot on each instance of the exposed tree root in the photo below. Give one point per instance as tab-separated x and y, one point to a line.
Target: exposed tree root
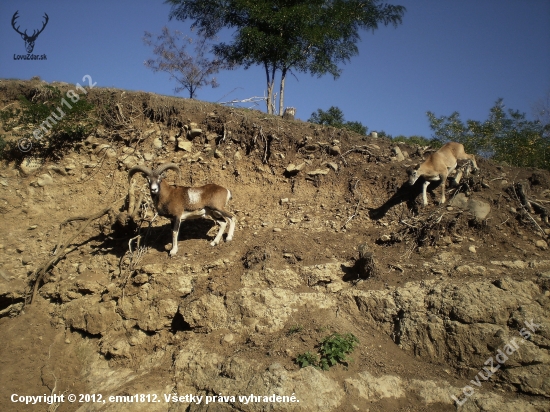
61	249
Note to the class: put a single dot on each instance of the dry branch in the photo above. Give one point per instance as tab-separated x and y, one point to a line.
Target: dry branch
529	206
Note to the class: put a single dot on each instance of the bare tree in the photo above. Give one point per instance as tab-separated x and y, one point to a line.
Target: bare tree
191	72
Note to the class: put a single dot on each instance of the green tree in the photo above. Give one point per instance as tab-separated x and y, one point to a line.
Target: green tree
335	117
332	117
505	136
191	71
356	127
302	35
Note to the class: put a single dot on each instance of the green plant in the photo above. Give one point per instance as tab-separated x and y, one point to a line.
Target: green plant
295	329
307	359
333	349
50	120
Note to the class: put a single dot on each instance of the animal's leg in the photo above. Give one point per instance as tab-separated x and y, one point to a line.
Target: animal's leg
223	223
457	178
473	159
424	196
443	181
229	237
175	231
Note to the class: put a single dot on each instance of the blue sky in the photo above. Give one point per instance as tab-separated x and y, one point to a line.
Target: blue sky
446	56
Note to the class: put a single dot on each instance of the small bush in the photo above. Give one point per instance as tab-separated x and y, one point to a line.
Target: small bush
333	349
307	359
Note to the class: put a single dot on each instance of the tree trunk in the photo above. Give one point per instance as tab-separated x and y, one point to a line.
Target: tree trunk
270	75
282	91
269	90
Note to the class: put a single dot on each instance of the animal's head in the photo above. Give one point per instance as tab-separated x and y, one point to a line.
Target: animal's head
154	177
29	40
413	175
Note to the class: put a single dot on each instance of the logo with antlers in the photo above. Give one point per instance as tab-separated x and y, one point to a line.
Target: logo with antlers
29	40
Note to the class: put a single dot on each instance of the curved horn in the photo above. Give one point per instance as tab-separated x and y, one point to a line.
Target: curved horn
165	166
143	169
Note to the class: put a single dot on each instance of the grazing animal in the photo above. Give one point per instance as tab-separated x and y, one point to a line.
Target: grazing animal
180	203
438	165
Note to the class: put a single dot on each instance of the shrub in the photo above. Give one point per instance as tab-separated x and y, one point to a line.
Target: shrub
60	124
333	349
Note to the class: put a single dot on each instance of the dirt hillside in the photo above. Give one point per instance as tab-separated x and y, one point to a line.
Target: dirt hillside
445	301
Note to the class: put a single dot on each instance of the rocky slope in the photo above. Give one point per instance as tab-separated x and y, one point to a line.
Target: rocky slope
450	303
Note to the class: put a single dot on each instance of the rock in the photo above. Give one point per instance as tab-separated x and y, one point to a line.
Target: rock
207	312
153	269
157	143
237	155
141	279
283	200
192	133
471	269
293	169
172	136
218	154
30	165
211	137
335	150
185	144
384	239
130	161
318	172
332	165
148	156
90	315
445	240
44	180
58	170
516	264
149	132
465	324
151	314
472	249
478	208
541	244
398	154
